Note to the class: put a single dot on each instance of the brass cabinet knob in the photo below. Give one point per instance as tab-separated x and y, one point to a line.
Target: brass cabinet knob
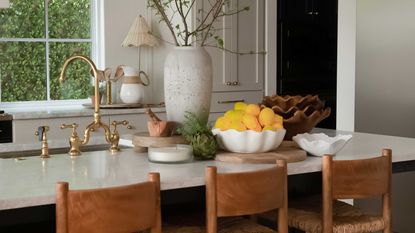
236	83
228	83
129	127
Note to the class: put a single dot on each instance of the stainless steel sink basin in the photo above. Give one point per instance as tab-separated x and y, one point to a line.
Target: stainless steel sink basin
52	151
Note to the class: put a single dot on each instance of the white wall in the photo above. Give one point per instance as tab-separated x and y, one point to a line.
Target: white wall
385	67
385	83
119	16
346	47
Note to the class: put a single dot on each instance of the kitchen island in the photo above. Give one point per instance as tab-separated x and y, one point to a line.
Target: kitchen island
31	181
27	187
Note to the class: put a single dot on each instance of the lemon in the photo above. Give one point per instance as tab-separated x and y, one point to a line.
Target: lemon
238	126
253	109
278	119
277	125
269	127
234	115
250	121
266	117
240	106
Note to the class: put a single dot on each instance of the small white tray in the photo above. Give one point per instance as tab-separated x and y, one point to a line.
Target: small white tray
320	144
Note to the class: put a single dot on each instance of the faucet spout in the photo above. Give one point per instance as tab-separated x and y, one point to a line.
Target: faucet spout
94	73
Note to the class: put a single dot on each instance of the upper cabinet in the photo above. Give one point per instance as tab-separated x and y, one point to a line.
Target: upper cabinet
307	39
241	32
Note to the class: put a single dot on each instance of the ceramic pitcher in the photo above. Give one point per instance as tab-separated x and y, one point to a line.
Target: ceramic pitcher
132	87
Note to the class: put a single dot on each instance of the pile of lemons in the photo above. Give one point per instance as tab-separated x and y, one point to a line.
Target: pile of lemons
249	117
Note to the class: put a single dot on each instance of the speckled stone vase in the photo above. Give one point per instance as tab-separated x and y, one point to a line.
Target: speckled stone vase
187	83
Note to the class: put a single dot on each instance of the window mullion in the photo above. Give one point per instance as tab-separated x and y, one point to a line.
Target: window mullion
47	50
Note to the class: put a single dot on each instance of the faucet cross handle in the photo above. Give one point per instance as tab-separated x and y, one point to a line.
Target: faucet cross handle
115	123
114	137
72	126
74	141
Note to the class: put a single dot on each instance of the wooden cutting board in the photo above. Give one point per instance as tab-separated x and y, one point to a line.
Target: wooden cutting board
142	141
288	151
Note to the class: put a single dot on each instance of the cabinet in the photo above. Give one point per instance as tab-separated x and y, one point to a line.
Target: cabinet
241	32
307	51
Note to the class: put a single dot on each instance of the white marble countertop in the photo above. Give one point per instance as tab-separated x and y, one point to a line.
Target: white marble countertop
31	182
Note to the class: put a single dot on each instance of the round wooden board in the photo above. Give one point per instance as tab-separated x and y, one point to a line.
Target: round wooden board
288	151
143	140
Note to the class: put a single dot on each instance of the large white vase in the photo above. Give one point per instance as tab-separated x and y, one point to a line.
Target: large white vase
187	83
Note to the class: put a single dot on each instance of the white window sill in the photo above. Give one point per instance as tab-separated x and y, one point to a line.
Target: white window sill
45	112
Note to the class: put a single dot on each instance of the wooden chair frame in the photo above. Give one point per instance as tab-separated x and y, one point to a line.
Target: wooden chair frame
129	208
246	193
344	179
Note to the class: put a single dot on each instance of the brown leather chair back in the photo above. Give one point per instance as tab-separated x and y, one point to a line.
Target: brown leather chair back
246	193
123	209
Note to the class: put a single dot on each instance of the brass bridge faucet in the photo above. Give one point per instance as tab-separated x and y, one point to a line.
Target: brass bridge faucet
113	137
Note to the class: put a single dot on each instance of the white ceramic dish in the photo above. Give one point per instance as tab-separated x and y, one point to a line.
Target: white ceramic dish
249	141
320	144
178	153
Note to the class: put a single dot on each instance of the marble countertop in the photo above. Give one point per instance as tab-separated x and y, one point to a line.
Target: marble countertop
31	182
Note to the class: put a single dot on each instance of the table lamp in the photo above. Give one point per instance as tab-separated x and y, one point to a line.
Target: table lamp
139	35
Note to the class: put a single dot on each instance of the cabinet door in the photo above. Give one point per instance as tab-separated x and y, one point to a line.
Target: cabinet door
308	44
297	51
299	11
243	32
325	38
250	37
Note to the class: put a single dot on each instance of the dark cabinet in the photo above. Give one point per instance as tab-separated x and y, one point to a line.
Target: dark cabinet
307	50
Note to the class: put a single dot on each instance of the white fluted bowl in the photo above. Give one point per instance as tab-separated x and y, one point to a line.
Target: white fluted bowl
249	141
320	144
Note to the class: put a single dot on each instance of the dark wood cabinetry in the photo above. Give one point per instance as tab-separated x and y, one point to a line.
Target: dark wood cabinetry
307	50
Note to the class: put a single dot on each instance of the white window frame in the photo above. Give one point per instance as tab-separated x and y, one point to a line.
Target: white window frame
97	52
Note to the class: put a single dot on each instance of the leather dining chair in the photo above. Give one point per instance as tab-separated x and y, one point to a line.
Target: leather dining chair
346	179
230	197
124	209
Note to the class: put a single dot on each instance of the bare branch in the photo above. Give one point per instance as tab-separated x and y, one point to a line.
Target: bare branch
235	52
160	8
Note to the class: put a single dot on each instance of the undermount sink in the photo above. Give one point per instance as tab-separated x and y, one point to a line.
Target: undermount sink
52	151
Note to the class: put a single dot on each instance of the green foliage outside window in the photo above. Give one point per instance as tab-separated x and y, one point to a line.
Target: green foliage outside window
23	66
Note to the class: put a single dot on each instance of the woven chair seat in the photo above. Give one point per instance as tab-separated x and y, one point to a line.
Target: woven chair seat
305	214
225	225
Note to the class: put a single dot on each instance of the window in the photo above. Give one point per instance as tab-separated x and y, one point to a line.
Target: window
36	37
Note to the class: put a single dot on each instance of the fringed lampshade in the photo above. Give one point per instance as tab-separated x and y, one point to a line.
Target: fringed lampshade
139	34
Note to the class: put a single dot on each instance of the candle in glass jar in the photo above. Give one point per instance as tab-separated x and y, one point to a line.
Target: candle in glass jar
170	154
